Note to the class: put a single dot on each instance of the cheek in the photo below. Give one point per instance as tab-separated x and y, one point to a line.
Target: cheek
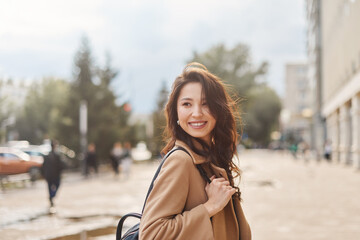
182	113
213	122
209	115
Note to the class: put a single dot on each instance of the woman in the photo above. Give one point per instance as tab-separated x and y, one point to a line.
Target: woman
182	205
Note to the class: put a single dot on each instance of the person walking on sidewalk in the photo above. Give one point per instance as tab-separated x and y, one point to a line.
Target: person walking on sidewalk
327	150
126	160
91	159
51	170
182	204
115	157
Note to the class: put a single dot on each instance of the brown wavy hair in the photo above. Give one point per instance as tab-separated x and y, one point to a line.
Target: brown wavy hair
224	136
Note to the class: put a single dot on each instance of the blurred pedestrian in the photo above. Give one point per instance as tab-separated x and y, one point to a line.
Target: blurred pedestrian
194	195
51	170
293	150
115	157
304	150
91	159
327	150
126	160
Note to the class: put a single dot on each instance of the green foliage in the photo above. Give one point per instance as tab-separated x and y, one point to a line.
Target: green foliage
261	114
159	120
233	66
107	122
81	89
2	103
42	109
6	109
260	105
51	108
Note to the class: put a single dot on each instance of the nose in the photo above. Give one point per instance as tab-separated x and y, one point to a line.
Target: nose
198	111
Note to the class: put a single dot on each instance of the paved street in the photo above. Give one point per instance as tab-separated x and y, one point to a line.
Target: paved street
286	199
283	199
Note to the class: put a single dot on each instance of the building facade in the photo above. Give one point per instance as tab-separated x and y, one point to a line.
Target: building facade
340	76
318	130
296	115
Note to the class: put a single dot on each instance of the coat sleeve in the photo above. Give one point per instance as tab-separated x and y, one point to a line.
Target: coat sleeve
164	217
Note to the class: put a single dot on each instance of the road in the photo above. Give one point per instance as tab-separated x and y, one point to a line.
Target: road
283	198
287	199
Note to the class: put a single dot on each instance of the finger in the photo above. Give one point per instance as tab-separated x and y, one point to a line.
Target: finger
220	180
212	177
232	191
227	187
226	183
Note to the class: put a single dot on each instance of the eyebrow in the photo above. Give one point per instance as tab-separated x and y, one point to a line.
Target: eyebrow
188	99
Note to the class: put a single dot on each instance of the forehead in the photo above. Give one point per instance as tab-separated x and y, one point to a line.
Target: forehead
192	90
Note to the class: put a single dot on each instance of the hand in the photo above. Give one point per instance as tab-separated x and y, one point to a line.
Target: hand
219	193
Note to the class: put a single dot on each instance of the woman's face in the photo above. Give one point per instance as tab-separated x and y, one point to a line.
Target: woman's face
194	113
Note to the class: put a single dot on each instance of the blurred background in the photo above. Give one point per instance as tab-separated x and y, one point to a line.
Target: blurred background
99	72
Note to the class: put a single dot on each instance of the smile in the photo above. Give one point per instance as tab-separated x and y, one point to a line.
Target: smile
197	124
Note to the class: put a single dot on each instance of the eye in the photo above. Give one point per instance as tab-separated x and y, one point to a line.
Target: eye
204	104
186	104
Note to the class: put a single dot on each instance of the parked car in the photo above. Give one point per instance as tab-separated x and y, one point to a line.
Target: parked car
35	152
15	161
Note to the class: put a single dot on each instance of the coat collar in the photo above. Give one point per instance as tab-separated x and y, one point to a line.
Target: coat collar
197	159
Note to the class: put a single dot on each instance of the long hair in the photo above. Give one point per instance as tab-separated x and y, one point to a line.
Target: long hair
224	136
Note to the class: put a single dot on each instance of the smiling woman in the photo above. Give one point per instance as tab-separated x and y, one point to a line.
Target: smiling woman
194	114
194	196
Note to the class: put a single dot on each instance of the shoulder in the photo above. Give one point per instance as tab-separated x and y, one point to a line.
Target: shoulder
176	170
177	162
179	156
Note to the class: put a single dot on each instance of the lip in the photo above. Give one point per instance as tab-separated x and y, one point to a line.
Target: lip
197	124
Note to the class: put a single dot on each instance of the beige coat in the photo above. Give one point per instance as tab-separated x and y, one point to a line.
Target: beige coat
175	210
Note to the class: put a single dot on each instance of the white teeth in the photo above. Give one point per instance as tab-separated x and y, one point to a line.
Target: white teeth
197	124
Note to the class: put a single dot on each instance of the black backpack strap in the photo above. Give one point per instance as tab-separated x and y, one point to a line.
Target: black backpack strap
121	222
203	173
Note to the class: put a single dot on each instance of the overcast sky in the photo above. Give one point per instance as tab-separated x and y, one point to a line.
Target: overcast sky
149	40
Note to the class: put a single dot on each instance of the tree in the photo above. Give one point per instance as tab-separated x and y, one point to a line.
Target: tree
234	66
159	119
82	89
110	122
3	104
38	117
107	122
7	108
261	114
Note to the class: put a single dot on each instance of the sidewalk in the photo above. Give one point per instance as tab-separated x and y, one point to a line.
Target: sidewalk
284	199
82	204
287	199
